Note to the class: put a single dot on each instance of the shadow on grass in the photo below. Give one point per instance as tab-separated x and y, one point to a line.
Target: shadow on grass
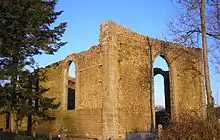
24	136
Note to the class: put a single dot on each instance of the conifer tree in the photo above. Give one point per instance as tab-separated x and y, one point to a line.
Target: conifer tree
27	29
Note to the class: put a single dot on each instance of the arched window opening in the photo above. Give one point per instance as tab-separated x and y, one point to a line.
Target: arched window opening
72	70
161	92
71	86
160	62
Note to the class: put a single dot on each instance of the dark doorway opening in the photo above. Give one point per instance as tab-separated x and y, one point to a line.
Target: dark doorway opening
7	121
71	99
71	84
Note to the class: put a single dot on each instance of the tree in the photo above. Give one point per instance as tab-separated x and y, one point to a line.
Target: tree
197	23
37	105
205	53
159	108
26	29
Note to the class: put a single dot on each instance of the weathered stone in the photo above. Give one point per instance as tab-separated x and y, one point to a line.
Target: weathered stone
114	85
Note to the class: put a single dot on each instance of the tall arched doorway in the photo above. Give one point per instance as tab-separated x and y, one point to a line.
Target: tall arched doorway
161	91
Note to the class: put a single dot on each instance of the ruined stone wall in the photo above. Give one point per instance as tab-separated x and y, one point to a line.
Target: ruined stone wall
128	59
114	85
53	80
85	120
90	74
2	122
132	69
186	77
132	95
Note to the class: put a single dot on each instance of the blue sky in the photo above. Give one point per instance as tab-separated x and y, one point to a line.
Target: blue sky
148	17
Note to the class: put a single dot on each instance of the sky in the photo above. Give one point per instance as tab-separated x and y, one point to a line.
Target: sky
147	17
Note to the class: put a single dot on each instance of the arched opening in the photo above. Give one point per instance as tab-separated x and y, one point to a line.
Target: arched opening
161	92
71	86
72	70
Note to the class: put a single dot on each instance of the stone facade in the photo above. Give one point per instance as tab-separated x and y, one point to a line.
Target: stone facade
113	86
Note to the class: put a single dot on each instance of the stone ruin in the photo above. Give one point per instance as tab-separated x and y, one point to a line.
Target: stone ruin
112	93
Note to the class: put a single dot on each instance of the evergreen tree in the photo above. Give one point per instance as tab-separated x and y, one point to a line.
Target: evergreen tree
26	29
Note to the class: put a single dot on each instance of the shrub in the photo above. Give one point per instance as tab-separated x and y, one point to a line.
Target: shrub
189	127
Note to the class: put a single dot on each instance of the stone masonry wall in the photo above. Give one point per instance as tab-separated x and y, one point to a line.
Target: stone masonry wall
131	65
131	56
85	120
2	122
114	85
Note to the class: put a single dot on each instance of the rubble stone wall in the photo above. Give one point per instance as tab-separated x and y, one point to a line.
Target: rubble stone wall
114	87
